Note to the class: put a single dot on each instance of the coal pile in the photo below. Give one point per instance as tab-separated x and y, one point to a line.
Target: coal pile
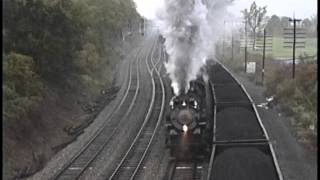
234	123
230	93
220	76
243	163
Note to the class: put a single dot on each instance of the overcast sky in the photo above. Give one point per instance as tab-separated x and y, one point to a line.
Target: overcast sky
301	8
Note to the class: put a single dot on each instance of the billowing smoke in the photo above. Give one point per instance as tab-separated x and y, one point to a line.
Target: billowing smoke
191	28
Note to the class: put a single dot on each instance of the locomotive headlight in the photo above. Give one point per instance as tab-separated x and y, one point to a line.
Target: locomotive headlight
185	128
184	103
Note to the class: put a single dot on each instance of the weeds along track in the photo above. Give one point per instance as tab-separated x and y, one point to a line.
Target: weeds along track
241	147
81	161
131	163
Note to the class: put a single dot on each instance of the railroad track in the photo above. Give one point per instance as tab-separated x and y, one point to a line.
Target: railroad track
89	152
241	144
191	170
131	164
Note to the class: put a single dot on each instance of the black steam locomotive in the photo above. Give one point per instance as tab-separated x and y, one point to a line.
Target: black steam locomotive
189	121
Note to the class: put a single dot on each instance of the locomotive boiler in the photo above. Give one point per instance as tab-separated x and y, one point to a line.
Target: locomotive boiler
189	121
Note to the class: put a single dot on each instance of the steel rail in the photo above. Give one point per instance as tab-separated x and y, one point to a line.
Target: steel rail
143	125
187	168
152	62
159	58
157	125
117	127
214	131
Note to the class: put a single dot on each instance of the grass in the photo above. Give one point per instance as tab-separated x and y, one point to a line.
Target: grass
278	51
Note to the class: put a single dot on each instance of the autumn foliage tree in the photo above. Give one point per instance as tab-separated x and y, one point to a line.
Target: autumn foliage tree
58	40
255	18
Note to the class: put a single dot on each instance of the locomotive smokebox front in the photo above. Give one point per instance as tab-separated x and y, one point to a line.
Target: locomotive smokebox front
185	117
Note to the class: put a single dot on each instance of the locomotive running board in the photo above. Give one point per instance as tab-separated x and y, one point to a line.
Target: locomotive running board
241	142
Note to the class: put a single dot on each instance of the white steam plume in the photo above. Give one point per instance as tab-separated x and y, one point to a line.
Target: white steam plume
191	28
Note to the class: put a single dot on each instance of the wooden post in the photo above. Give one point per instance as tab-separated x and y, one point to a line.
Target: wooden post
245	48
224	28
263	54
294	49
294	20
232	46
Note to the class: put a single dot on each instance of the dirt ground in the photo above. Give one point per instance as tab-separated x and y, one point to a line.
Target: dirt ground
50	126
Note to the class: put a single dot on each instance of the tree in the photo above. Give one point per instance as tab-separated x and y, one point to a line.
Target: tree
306	23
310	24
45	33
274	26
22	86
284	21
255	18
314	25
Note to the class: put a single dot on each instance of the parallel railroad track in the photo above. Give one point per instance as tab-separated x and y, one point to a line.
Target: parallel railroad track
81	161
131	164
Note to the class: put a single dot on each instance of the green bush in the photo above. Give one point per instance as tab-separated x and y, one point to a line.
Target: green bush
88	59
297	96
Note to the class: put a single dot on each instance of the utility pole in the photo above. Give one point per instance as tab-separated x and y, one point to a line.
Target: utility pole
264	53
232	45
294	20
142	26
224	29
245	47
